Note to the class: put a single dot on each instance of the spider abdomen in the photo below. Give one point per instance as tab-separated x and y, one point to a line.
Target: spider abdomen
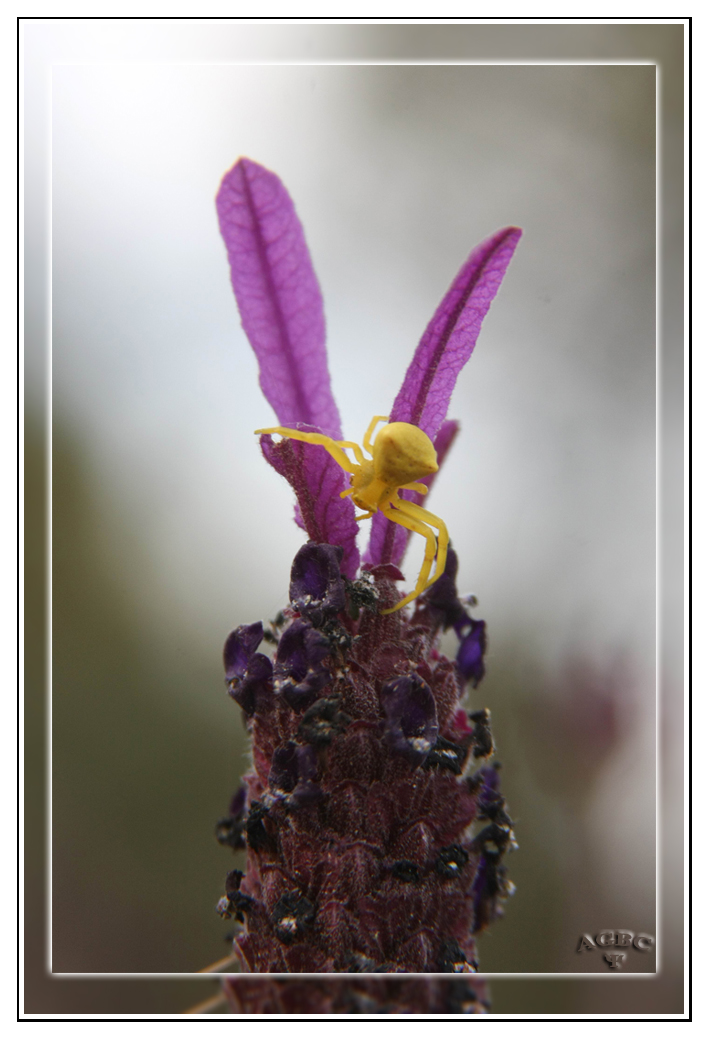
402	454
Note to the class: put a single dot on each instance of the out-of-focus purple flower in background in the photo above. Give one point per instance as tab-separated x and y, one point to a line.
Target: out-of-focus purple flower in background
576	725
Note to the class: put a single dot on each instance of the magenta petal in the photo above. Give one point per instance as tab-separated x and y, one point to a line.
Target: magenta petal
389	541
451	335
278	295
318	480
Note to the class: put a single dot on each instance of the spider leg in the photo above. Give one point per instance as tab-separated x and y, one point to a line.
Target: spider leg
393	512
416	512
356	449
331	446
421	488
367	439
365	516
348	491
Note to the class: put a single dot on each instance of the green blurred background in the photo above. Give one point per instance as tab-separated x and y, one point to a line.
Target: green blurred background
167	530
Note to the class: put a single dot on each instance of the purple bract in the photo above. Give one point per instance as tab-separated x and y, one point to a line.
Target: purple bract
282	314
278	295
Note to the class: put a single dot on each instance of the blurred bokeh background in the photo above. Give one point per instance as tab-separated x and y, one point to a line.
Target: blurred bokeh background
168	529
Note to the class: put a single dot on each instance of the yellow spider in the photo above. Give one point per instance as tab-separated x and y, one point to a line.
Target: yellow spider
401	455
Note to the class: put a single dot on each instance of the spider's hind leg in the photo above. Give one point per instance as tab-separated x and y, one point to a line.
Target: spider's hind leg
394	512
416	512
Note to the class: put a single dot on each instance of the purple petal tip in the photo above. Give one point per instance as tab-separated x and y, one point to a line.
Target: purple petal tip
451	335
278	295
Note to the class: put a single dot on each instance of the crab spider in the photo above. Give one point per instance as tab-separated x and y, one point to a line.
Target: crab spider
401	455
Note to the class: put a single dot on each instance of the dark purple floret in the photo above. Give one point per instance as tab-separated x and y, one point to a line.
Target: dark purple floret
291	916
491	803
317	589
490	783
256	685
237	902
299	673
451	860
482	741
493	839
405	870
239	649
239	801
259	836
453	959
230	832
490	886
307	762
447	755
247	673
306	792
234	880
323	722
293	769
443	602
471	651
284	768
230	829
410	708
443	598
485	890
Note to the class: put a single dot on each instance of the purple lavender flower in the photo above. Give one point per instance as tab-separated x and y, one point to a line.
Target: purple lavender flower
248	674
410	710
316	589
374	827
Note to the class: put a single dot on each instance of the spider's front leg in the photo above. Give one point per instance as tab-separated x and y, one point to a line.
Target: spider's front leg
333	447
367	439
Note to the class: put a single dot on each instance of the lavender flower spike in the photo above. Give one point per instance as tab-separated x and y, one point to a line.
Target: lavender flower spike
360	813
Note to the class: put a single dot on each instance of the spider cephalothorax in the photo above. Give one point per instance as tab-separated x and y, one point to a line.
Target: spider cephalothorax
402	455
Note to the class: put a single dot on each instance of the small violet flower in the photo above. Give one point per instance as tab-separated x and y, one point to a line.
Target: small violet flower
371	816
